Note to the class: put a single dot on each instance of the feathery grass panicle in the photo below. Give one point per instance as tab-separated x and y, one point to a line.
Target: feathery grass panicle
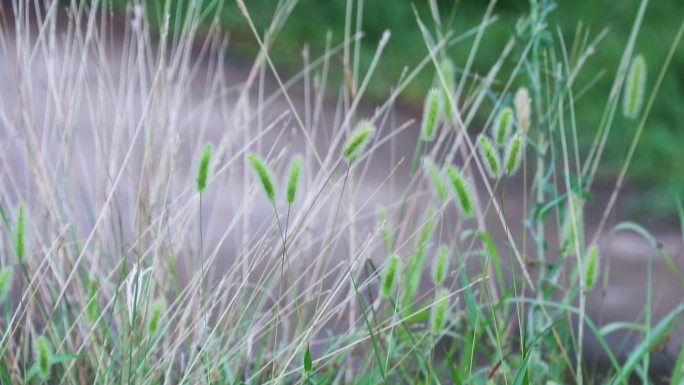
43	356
490	156
522	109
439	312
503	123
514	153
635	88
389	277
440	266
293	178
6	278
430	115
436	179
591	268
203	168
461	189
263	174
357	141
19	234
449	74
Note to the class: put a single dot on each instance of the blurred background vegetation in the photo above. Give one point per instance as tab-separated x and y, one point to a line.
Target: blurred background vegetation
659	161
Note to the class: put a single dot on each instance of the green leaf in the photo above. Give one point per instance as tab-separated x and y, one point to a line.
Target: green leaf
308	363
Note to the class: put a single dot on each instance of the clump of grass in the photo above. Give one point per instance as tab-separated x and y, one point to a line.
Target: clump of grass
430	115
43	357
635	88
203	168
262	172
440	266
6	279
591	268
436	179
293	178
522	109
513	154
490	156
461	190
357	141
439	312
503	123
389	277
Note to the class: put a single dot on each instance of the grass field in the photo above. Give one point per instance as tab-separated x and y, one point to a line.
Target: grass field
166	219
310	21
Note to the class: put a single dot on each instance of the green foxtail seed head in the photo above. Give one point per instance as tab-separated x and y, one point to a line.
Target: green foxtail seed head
502	126
19	245
440	266
430	115
449	74
389	277
591	269
384	230
461	189
513	154
293	178
522	109
439	311
43	357
415	268
156	315
6	277
490	156
203	168
357	141
635	88
436	179
263	174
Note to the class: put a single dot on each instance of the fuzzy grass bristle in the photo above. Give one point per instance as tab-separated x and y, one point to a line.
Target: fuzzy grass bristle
430	115
293	178
357	141
501	129
490	156
461	190
262	172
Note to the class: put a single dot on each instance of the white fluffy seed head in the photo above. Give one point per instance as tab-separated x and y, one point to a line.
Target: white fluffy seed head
522	108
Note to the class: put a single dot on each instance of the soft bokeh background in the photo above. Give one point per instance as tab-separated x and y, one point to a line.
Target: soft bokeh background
658	167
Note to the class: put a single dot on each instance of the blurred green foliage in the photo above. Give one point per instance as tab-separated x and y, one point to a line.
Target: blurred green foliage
658	161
